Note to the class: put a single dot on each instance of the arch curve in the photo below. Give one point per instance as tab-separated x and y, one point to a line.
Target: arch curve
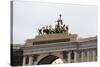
48	59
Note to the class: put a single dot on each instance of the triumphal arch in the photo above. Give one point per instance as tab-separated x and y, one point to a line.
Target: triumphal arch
57	43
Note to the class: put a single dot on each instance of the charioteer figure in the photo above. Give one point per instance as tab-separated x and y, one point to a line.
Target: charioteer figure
59	28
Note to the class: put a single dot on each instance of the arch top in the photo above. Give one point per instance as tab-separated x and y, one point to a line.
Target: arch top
48	59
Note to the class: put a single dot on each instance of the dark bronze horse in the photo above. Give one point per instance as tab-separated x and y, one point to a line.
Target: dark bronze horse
46	31
59	28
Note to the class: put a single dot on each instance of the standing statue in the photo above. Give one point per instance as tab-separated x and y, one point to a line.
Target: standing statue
67	28
40	31
57	28
47	30
43	28
63	28
50	29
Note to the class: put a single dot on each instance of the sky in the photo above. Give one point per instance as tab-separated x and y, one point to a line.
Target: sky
29	16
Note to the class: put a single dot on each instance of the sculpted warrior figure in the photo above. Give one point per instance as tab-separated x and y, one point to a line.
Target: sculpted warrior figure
57	28
50	29
43	30
66	28
47	30
40	31
63	28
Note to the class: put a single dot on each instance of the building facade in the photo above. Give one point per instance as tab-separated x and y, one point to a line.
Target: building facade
83	50
55	46
16	55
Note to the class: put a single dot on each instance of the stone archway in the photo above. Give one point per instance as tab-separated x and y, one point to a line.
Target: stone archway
48	59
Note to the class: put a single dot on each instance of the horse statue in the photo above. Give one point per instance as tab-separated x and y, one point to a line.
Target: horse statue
45	30
59	28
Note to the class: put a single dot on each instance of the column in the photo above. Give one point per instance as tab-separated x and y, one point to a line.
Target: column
33	60
30	60
24	60
75	56
69	57
88	55
82	56
94	55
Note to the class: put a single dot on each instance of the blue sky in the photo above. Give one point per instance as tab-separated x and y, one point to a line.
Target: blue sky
29	16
